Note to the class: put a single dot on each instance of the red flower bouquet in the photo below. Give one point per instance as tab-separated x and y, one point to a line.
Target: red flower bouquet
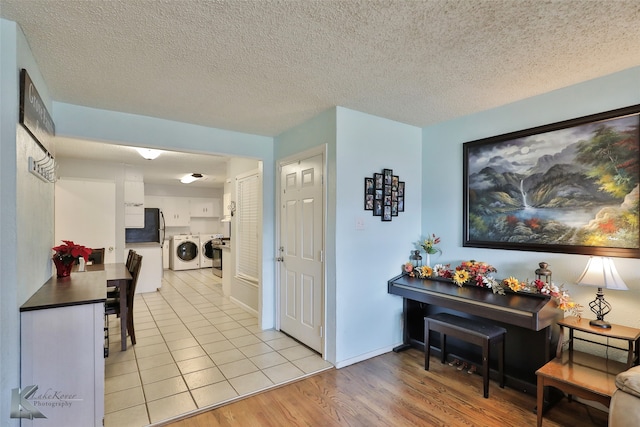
67	254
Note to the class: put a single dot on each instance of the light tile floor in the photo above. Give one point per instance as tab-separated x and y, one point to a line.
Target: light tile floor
195	349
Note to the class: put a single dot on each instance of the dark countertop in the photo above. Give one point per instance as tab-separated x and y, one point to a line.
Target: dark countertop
87	287
142	245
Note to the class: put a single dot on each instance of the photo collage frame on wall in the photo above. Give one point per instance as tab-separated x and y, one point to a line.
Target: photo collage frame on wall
384	195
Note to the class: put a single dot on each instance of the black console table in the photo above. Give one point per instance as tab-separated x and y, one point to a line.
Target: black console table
530	320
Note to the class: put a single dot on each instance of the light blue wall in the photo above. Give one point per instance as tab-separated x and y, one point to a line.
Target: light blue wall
442	183
26	215
132	129
368	319
320	130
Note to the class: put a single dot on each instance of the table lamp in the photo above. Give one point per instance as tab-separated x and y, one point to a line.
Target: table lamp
602	273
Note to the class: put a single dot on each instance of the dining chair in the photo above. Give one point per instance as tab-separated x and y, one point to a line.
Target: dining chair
130	258
112	305
97	256
113	292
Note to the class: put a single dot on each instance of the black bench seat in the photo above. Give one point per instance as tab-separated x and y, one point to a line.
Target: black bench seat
476	332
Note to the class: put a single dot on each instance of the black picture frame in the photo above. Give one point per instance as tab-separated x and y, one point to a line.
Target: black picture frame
377	207
369	193
378	179
388	174
386	213
384	195
565	187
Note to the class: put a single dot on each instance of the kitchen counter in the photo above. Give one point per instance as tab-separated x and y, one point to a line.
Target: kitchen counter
133	246
88	287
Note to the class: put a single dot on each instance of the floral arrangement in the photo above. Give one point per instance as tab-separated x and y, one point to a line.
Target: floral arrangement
70	252
429	245
481	274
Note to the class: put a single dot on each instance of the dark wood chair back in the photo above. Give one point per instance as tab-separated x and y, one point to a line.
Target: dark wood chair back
136	265
97	256
130	259
135	273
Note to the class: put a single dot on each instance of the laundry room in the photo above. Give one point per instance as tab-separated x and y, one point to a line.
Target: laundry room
191	223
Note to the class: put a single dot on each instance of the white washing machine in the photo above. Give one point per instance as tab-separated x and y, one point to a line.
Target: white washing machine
207	242
184	252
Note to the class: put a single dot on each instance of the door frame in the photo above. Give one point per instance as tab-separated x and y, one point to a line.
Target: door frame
322	149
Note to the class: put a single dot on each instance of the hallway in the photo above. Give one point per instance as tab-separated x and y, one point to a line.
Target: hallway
195	349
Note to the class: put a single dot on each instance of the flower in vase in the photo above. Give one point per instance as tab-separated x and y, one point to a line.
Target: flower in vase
429	245
70	252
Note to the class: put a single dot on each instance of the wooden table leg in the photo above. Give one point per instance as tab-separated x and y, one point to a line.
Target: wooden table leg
540	402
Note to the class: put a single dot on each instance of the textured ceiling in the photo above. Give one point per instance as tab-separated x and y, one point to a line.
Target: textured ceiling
262	67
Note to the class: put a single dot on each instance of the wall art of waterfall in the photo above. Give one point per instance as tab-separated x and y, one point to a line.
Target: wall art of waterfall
571	185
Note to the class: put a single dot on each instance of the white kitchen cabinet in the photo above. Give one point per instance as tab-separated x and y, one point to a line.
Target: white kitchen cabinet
133	204
176	211
205	207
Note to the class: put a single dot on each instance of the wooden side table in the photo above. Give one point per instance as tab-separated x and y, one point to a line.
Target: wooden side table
585	375
618	332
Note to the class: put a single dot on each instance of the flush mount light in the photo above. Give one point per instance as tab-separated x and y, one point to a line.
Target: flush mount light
188	179
148	153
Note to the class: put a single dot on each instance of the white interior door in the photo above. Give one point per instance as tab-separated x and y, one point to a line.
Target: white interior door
85	212
301	286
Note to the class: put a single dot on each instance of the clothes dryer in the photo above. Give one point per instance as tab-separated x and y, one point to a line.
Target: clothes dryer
207	241
184	252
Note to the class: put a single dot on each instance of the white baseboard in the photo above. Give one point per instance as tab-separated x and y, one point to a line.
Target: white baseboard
364	356
244	306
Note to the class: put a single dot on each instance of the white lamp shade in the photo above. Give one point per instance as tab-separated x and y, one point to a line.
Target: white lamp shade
601	272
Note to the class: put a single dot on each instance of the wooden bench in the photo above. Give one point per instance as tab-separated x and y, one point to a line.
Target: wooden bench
482	334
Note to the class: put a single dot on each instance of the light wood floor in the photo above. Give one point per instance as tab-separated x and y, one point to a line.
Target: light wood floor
393	390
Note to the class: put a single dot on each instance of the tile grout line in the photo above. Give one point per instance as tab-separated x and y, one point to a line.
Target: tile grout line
189	287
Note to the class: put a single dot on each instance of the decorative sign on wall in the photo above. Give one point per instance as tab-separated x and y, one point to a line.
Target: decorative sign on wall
33	113
384	195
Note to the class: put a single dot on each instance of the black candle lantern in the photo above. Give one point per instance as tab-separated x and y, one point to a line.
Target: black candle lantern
543	273
416	259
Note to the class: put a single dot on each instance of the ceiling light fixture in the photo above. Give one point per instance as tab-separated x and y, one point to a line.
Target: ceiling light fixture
188	179
148	153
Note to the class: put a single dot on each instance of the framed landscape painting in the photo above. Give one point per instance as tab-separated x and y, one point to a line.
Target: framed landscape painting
568	187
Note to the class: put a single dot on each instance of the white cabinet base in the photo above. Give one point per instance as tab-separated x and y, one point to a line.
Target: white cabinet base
62	354
151	272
